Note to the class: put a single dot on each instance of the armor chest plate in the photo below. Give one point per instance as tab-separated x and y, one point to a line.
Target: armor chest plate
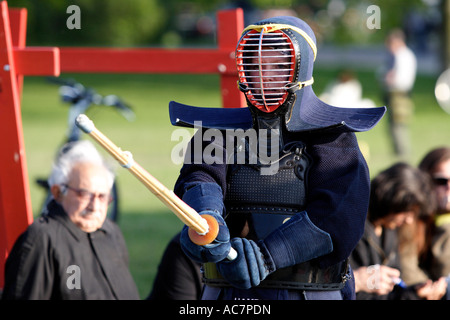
256	203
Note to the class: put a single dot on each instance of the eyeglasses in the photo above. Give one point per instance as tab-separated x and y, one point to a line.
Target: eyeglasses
88	196
440	181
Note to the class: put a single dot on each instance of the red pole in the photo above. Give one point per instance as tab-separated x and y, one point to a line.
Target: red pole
18	22
230	24
15	201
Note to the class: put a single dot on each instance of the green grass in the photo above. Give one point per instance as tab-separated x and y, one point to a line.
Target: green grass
146	223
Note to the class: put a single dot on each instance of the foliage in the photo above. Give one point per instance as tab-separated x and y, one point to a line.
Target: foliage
174	22
345	21
103	22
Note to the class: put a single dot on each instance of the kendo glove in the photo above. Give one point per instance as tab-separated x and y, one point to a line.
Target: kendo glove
206	198
213	252
248	269
296	241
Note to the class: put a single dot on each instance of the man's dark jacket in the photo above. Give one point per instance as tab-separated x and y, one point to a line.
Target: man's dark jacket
54	259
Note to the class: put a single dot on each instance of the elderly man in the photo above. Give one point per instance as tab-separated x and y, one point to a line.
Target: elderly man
398	84
73	252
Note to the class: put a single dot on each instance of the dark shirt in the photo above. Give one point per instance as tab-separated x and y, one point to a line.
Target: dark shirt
54	259
179	277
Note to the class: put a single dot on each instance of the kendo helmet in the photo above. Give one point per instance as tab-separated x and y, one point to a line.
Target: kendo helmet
274	59
279	89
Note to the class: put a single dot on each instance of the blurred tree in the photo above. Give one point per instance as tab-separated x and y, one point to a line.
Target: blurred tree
345	21
175	22
122	23
103	22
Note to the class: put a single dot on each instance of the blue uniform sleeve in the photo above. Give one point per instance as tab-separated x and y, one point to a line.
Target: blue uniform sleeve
338	193
196	172
296	241
336	207
204	196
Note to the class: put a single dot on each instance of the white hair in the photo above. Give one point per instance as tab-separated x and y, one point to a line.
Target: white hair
73	153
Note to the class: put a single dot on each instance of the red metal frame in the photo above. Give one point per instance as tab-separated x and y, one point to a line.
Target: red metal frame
17	60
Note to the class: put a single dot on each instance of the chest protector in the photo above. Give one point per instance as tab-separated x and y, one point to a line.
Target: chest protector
257	204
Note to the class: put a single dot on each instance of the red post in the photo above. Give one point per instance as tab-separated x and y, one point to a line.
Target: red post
15	204
230	24
15	201
18	22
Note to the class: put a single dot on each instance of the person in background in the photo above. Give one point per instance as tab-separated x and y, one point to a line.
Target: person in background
73	252
436	164
346	91
398	195
178	277
398	82
414	244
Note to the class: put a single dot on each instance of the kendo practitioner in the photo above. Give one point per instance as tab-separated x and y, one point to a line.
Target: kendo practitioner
295	214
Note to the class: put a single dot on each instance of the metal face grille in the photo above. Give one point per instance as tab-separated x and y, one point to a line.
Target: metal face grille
266	65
